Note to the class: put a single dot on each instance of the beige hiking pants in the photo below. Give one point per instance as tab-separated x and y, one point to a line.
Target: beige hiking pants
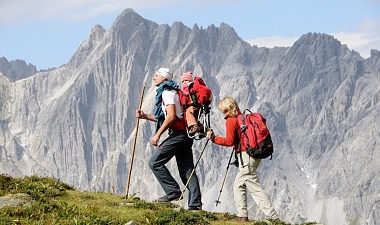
247	178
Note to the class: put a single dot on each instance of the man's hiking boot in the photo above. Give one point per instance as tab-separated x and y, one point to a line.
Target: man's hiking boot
171	197
194	208
240	219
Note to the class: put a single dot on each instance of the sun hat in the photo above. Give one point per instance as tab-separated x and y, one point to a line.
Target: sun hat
165	72
187	76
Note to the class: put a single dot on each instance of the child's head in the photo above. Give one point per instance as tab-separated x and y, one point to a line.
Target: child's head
187	77
229	106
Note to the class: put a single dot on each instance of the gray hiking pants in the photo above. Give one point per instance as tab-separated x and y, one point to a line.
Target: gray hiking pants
178	144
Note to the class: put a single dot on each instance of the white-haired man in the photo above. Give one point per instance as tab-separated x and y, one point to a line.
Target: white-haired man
168	114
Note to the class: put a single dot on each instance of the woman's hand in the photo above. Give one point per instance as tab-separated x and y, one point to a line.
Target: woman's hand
210	134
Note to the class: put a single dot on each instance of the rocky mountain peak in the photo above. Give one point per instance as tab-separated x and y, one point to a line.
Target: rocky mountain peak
324	44
127	20
87	46
97	33
16	69
128	15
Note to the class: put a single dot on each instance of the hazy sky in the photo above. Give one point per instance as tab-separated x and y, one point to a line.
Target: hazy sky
46	33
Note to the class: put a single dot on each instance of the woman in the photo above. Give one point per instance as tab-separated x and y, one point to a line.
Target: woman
247	177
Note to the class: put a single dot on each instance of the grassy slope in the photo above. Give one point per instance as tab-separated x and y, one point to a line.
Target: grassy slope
58	203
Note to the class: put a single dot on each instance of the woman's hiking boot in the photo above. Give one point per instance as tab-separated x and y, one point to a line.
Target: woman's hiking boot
240	219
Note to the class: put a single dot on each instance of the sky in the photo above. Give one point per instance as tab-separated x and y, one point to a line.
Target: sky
46	33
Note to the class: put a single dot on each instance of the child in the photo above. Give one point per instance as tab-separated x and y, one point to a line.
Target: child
191	110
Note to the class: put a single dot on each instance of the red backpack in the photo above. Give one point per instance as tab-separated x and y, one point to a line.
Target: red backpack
255	138
199	94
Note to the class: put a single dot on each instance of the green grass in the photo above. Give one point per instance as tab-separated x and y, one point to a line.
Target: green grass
59	203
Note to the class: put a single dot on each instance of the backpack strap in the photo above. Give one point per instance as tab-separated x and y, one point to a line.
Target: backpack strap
179	123
243	128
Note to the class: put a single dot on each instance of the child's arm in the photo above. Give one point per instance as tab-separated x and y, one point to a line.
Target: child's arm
231	134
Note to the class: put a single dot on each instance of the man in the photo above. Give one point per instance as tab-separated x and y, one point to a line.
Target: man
168	115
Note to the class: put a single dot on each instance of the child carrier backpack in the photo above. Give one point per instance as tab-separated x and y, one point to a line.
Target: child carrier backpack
200	96
256	139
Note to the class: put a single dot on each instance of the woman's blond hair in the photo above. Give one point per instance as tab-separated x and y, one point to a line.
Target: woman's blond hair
229	104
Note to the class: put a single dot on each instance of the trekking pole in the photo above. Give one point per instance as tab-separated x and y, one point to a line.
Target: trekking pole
192	172
134	145
225	175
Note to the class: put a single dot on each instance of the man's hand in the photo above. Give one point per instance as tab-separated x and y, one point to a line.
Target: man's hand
155	140
140	114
